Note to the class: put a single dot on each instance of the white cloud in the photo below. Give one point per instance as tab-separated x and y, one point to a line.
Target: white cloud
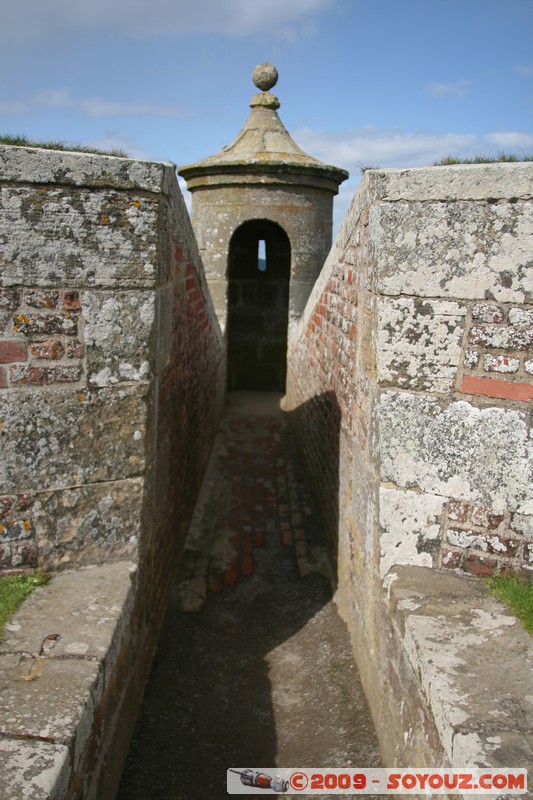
456	89
383	147
36	19
511	141
393	147
89	107
524	70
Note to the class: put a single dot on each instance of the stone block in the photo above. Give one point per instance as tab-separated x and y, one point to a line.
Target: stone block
40	166
453	250
45	698
410	528
419	343
34	770
118	333
89	524
53	439
457	450
502	181
57	236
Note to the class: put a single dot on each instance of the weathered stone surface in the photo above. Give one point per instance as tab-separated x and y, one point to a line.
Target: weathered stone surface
456	250
36	165
55	235
29	684
33	770
456	182
457	450
419	343
89	524
502	337
410	528
118	329
85	621
460	642
418	465
55	438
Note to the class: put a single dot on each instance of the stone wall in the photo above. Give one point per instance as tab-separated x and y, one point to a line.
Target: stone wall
408	384
111	361
112	381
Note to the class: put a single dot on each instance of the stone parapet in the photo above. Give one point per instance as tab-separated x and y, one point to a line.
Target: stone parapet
112	382
409	386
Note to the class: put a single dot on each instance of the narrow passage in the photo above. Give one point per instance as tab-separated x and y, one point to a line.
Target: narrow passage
254	667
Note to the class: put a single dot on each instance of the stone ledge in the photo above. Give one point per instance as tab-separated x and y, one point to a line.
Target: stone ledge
51	689
63	167
472	660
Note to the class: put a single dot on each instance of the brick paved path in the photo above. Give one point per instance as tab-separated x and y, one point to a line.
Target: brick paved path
261	674
254	490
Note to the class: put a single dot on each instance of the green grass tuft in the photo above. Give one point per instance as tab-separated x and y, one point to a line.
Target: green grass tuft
488	159
13	590
22	141
517	594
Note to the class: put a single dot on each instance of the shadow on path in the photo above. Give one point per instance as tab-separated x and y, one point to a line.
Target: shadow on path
262	674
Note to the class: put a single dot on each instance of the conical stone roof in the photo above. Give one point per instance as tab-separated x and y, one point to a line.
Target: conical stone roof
263	151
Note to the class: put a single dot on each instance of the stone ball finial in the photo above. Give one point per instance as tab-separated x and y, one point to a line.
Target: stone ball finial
265	76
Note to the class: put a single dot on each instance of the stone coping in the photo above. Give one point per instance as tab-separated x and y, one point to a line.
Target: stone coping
65	167
57	659
495	182
473	662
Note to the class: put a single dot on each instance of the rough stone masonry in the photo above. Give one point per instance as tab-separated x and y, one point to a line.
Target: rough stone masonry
112	380
410	386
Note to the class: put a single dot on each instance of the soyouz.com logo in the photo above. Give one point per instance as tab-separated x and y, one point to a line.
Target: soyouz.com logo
479	782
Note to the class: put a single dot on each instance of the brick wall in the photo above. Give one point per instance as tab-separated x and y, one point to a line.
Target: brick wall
409	386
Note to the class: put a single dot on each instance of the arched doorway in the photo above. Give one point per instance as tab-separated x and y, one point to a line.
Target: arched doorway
259	264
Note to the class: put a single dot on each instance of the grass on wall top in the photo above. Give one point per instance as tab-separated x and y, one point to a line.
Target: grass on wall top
13	590
517	595
23	141
448	161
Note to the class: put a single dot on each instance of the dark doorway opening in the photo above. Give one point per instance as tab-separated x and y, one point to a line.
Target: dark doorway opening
259	265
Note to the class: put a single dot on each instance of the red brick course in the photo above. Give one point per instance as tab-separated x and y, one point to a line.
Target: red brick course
12	350
498	341
503	390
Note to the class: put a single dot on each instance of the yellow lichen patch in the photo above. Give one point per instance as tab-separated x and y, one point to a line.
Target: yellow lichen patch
19	320
2	529
26	525
136	203
104	220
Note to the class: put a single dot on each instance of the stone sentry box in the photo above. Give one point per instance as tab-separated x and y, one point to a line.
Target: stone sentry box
261	188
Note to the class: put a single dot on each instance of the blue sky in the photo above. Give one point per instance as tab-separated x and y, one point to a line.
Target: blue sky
389	83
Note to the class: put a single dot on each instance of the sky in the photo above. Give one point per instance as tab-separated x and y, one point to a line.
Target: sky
384	83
